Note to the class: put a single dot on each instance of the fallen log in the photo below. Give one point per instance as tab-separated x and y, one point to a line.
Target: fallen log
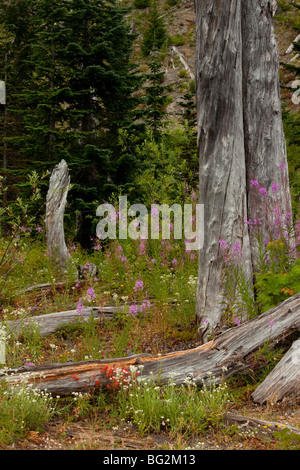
50	323
283	382
220	358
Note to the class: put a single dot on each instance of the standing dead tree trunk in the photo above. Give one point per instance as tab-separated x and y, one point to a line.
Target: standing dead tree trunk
55	208
221	150
265	146
240	136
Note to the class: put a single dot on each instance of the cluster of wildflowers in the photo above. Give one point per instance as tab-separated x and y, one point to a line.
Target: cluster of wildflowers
90	295
139	285
120	377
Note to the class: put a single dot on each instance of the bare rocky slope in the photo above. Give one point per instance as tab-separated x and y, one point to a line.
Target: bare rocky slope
178	56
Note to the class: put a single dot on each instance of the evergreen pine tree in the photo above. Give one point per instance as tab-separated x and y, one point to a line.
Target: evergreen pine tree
76	96
155	35
156	98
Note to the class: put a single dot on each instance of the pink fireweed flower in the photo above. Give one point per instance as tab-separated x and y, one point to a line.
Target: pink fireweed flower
139	285
223	244
271	323
263	191
153	261
145	304
174	262
80	307
133	309
123	259
193	196
237	321
282	166
254	183
275	188
142	247
237	250
91	294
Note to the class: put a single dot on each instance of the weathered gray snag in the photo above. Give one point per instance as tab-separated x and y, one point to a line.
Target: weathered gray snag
283	381
222	186
55	208
231	350
240	137
265	146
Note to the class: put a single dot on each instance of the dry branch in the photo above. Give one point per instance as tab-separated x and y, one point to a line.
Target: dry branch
231	350
262	426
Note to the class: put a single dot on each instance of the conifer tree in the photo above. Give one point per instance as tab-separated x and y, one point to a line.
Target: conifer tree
156	98
76	96
155	35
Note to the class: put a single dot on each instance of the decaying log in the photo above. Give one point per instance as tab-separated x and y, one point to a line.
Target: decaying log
221	357
253	424
284	380
55	208
50	323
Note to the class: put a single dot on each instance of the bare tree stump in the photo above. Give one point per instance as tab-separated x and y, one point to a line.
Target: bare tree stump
55	208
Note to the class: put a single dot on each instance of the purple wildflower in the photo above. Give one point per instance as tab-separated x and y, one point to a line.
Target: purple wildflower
139	285
254	183
80	307
91	294
275	188
133	309
263	191
223	244
145	304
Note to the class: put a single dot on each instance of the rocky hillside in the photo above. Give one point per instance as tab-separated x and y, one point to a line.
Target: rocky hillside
178	55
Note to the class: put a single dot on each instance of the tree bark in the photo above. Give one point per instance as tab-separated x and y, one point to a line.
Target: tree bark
265	146
55	208
240	138
222	186
222	357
